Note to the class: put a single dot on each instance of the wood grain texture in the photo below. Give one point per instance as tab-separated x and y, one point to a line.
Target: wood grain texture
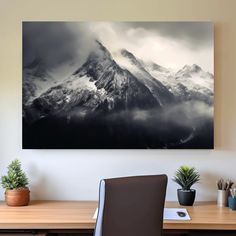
78	215
48	215
204	216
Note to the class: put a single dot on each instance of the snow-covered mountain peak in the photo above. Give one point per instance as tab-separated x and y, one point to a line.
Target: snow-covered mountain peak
131	58
115	82
193	71
100	52
194	68
128	54
128	61
97	62
151	66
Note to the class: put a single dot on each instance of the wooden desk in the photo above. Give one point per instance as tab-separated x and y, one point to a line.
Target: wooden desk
204	216
76	215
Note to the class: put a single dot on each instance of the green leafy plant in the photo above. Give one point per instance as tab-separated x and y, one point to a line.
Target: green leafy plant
15	177
186	176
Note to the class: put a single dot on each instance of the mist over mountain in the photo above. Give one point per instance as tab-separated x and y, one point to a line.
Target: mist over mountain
116	100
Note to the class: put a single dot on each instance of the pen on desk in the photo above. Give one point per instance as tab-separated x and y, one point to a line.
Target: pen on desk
224	184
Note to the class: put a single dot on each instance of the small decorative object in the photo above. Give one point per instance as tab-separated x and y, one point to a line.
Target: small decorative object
186	176
223	191
15	183
232	199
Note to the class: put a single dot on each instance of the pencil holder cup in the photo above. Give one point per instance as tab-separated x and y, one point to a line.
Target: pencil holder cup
222	198
232	203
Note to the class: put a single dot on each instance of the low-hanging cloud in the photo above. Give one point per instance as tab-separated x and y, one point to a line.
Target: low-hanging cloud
191	112
56	42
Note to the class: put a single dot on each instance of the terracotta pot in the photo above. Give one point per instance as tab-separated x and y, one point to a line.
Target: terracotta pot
17	197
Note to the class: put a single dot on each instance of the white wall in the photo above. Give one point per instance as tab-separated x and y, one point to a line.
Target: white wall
75	174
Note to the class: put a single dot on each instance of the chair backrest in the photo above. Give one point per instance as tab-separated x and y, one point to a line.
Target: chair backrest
131	206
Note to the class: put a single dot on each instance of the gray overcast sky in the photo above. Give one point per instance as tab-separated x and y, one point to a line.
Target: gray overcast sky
194	33
170	44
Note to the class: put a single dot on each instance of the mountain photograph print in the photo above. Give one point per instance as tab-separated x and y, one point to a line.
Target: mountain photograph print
118	85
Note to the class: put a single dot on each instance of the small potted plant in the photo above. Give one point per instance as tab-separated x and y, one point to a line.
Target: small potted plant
232	199
15	183
186	176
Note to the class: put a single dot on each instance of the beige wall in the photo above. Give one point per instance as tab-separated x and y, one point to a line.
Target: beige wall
74	174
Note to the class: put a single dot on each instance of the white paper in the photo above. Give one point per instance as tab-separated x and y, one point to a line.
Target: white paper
169	214
95	214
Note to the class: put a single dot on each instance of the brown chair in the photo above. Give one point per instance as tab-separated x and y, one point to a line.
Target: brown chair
131	206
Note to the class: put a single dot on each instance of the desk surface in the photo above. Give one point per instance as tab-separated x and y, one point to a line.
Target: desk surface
78	215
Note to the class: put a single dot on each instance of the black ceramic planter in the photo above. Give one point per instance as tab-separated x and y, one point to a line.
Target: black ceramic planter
186	197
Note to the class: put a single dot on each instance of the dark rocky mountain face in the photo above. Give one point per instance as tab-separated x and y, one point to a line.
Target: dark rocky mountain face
100	84
159	91
96	64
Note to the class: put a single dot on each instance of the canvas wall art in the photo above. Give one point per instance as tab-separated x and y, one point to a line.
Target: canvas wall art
118	85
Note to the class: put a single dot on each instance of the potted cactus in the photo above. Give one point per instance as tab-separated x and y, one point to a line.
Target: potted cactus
15	183
186	176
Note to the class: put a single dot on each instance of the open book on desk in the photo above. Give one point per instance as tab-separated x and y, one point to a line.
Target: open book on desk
169	214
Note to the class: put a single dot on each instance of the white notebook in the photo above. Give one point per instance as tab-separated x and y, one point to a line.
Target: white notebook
172	214
169	214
